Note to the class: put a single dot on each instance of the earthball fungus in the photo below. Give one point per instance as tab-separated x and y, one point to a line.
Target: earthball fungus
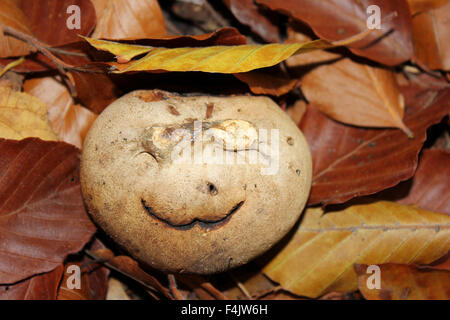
195	184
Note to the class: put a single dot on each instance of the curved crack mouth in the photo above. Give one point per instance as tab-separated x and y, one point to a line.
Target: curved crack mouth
206	224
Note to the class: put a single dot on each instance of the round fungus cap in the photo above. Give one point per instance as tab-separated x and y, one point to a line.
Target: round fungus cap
195	184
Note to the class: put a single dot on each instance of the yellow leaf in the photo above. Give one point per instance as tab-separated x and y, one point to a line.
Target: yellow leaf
221	59
319	258
22	116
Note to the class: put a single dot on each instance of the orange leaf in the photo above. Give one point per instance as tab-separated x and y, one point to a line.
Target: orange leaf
432	37
71	122
124	19
12	16
404	282
356	94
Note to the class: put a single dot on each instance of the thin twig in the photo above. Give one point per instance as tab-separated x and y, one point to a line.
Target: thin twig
241	286
173	287
43	48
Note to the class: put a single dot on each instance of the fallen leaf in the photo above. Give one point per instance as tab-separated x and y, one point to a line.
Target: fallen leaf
405	282
337	19
272	81
70	121
222	59
431	37
39	287
297	111
430	185
12	16
125	19
93	281
246	282
418	6
42	216
57	16
368	96
350	162
130	267
248	13
319	256
308	58
23	116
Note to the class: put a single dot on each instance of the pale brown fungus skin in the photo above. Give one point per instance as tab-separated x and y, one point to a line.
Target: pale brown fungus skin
184	217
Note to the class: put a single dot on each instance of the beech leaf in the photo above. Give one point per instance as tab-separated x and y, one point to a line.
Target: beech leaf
39	287
350	162
336	19
70	121
404	282
319	257
42	216
23	115
368	96
221	59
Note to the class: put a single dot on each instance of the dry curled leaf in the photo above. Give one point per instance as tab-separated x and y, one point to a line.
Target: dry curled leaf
128	19
70	121
39	287
350	162
337	19
42	216
23	115
319	256
405	282
368	96
271	81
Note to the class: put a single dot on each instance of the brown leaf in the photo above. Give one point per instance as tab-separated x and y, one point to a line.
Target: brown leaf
40	287
431	184
129	267
338	19
405	282
417	6
297	111
308	58
350	162
23	116
431	37
70	121
11	15
124	19
94	279
54	31
368	96
248	13
319	256
272	81
42	215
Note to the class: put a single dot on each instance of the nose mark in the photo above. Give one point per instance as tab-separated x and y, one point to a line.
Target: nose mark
212	189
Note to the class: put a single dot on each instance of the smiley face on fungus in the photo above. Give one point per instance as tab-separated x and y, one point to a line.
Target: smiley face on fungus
195	184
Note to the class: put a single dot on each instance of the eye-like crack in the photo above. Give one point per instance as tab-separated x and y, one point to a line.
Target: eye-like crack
206	224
